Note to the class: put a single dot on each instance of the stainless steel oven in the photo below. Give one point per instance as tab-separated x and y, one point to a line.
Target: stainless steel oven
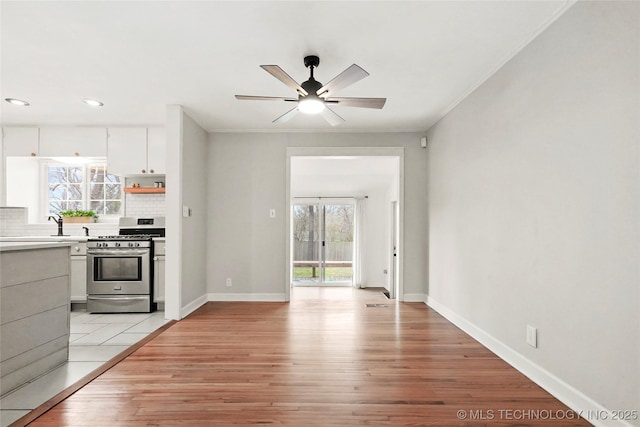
120	268
119	274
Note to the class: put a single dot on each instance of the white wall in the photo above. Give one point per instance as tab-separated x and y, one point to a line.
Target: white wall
534	205
186	236
247	177
194	196
375	255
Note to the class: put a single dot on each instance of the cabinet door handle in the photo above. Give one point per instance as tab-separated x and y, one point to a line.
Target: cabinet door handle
76	154
144	171
155	258
33	154
150	170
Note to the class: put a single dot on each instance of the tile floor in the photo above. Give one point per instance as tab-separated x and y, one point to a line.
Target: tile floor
94	340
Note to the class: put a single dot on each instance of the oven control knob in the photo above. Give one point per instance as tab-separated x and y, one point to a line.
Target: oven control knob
117	244
137	244
130	244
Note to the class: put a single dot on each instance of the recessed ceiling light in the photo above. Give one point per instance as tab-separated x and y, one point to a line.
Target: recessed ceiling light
15	101
92	102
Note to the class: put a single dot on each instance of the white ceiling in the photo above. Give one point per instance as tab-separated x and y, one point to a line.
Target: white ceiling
137	57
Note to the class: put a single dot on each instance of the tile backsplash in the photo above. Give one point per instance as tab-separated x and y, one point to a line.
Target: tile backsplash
136	204
12	221
144	204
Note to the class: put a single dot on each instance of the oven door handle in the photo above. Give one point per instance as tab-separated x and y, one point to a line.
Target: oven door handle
117	298
117	252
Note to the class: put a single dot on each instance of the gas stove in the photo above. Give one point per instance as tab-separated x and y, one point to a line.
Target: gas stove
135	226
119	243
124	237
134	233
120	274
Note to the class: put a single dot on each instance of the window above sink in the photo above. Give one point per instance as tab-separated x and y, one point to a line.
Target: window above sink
47	186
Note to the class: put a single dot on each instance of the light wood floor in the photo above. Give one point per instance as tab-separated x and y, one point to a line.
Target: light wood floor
325	359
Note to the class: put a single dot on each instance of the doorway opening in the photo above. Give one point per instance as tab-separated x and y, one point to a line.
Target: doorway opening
323	243
324	250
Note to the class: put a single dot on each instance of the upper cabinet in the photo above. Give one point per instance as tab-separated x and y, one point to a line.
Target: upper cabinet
127	151
73	141
20	141
156	151
136	151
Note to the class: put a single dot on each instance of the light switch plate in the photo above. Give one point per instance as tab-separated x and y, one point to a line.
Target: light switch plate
186	211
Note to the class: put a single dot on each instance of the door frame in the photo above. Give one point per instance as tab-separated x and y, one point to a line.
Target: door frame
344	152
393	250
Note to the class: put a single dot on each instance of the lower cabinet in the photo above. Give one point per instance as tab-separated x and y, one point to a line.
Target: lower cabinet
158	271
79	272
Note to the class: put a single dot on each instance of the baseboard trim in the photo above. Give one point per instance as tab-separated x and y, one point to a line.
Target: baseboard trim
589	409
193	306
247	297
415	298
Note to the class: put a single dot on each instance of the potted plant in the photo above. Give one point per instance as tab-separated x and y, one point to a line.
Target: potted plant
77	215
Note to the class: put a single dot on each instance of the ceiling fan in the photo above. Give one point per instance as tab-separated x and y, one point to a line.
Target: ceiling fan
313	96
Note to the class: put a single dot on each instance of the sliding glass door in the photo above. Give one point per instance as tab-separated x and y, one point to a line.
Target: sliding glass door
306	244
323	243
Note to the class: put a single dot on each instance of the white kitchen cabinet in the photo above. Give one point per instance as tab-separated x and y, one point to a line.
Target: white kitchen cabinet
21	141
78	272
127	151
136	151
156	151
73	141
158	271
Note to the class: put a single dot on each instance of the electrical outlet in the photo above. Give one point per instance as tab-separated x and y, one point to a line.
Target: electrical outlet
228	283
532	336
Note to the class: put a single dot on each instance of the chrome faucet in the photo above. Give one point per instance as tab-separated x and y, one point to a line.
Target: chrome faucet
59	222
86	231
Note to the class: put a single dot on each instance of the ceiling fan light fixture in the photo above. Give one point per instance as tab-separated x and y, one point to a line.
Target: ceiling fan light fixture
313	96
311	106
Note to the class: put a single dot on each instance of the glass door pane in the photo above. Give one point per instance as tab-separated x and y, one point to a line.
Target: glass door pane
338	243
306	244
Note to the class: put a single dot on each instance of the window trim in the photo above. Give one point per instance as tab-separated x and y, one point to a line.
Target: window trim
86	186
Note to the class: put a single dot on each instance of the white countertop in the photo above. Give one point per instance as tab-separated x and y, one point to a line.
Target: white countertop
45	238
19	246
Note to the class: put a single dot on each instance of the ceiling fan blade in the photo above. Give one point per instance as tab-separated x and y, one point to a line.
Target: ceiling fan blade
342	80
264	98
331	117
286	116
358	102
285	78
